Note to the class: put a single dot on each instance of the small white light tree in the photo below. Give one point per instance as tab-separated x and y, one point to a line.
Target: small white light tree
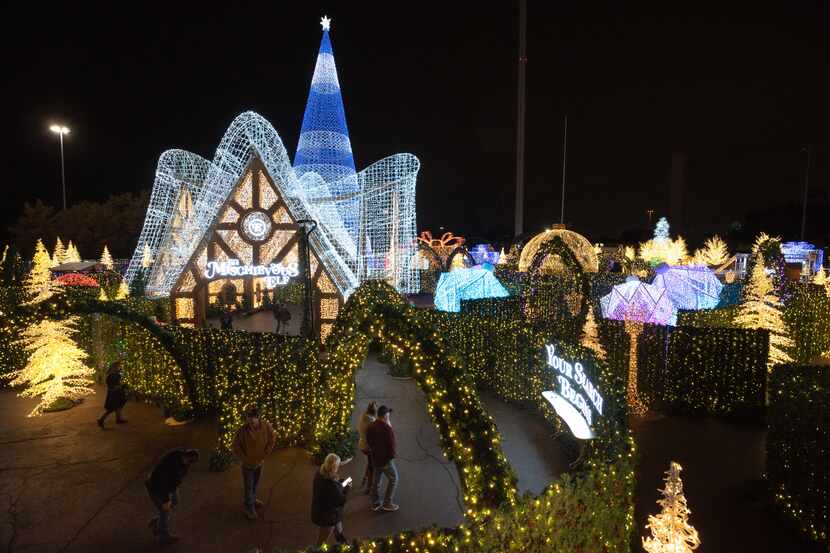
123	290
106	259
146	257
39	278
590	336
761	309
59	253
57	366
72	254
670	530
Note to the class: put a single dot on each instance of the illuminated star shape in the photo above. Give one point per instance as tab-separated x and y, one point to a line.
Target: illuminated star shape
325	22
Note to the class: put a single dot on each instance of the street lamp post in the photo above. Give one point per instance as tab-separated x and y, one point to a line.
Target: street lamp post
61	130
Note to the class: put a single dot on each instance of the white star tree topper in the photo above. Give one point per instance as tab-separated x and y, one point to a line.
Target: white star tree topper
325	22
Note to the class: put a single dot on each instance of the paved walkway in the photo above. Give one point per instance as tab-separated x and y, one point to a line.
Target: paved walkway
67	486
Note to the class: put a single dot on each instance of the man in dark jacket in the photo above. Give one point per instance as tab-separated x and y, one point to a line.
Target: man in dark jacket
163	484
381	440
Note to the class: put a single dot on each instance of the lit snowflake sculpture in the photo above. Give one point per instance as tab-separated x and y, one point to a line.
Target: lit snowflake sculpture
638	301
689	287
366	219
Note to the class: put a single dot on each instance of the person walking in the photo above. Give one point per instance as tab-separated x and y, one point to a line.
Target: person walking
116	395
381	440
252	443
327	500
163	488
367	418
226	320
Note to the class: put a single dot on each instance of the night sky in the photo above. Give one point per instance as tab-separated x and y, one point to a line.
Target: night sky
739	94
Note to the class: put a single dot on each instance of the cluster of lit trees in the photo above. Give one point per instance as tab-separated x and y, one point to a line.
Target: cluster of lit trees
662	248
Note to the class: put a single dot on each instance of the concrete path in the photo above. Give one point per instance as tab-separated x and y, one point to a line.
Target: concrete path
67	486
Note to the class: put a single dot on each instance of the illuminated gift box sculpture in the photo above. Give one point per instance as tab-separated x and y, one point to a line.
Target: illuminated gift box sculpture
638	301
466	284
365	220
689	287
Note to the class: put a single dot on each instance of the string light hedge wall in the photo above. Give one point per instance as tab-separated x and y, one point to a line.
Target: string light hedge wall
451	355
798	446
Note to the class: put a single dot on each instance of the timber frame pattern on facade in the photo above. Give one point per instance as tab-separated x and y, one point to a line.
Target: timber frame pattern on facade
192	284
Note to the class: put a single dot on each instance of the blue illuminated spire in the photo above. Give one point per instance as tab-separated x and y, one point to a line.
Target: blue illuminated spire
324	146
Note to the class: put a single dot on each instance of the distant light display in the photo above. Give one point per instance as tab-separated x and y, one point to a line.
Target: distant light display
484	253
807	254
640	302
689	287
466	284
366	220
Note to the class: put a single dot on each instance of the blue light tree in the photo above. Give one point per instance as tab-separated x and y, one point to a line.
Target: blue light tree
324	146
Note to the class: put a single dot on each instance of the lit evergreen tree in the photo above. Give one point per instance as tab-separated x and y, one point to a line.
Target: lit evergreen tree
661	230
59	253
72	254
57	366
762	309
670	530
590	336
715	251
123	290
106	259
39	278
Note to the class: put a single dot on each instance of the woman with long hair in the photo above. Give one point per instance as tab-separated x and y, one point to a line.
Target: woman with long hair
327	500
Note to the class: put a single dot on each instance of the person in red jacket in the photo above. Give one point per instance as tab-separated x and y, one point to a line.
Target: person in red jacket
381	439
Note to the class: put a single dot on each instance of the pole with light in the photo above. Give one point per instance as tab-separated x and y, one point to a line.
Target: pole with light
61	130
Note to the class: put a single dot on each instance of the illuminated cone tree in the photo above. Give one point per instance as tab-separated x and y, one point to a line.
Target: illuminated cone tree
670	530
37	282
761	309
57	366
590	336
72	254
106	259
715	251
59	254
123	291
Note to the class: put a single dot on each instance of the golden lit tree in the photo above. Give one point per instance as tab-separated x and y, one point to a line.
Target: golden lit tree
661	248
123	290
39	278
59	253
715	251
72	254
820	277
102	296
590	336
57	366
670	530
106	258
762	309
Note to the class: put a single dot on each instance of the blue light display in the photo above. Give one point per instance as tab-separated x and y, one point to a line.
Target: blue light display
801	252
324	146
689	287
484	253
466	284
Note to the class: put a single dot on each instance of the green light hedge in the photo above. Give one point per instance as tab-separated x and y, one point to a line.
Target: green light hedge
798	446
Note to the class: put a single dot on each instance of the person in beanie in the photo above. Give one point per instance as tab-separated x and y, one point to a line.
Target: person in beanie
252	443
116	395
381	440
327	500
163	488
366	419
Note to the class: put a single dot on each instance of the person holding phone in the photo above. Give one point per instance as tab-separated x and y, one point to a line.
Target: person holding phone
327	500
